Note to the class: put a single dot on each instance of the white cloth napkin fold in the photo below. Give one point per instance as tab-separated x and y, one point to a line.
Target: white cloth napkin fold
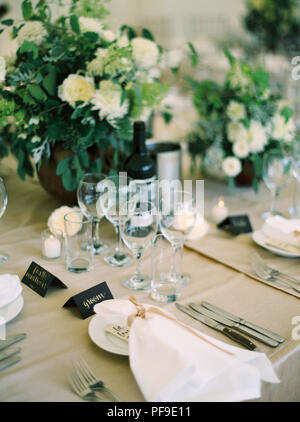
280	228
172	362
10	288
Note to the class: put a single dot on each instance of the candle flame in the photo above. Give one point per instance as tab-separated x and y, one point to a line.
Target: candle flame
221	203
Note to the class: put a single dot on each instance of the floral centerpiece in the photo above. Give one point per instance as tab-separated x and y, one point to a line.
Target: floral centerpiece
239	121
275	24
73	89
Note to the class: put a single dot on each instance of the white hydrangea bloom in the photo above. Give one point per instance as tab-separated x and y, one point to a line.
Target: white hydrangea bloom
236	111
236	132
107	100
109	35
236	77
95	67
283	130
33	31
231	166
257	137
145	52
90	25
76	88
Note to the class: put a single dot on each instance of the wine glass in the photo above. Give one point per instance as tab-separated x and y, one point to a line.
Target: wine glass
137	231
88	194
276	173
295	158
116	191
3	203
178	215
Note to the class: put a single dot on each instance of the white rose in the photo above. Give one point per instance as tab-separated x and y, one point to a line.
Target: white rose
56	220
107	100
236	132
32	31
108	35
283	130
231	166
2	69
257	137
90	25
241	149
236	111
174	58
145	52
76	88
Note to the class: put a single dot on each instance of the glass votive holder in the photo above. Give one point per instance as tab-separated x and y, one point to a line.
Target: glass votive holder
51	244
165	286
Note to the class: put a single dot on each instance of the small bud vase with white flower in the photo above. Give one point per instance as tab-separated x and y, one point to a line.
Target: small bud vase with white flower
238	122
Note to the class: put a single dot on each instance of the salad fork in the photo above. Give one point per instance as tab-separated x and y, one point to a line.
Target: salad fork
82	389
93	382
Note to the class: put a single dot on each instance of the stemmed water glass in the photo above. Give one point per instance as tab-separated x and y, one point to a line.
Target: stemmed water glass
113	203
295	158
138	230
276	174
88	194
178	215
3	203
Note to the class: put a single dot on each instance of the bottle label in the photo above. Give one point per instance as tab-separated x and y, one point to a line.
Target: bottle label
146	189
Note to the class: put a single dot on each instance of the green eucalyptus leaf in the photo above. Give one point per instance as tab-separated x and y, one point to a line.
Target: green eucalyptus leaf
29	47
147	34
7	22
37	93
62	166
27	10
49	82
74	22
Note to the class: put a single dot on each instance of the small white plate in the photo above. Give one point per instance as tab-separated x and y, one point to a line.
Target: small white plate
259	239
105	340
10	311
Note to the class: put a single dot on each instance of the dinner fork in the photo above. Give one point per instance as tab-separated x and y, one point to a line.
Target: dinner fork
82	389
266	274
275	272
94	383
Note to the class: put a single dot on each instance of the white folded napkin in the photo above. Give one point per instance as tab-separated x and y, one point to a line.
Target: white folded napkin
172	362
10	288
280	228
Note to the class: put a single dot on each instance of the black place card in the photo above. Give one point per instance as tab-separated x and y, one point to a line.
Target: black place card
39	279
236	224
85	301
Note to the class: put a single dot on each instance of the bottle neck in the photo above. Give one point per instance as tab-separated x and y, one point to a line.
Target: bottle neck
139	144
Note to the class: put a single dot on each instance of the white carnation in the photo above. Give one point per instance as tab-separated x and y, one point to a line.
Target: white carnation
107	100
231	166
236	132
90	25
145	52
236	111
76	88
283	130
2	69
56	220
32	31
257	137
241	149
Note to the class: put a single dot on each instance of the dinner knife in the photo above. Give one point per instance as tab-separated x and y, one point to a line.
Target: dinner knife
9	352
233	335
245	330
11	340
5	363
242	321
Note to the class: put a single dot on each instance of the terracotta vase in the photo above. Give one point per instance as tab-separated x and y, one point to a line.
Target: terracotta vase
245	178
53	183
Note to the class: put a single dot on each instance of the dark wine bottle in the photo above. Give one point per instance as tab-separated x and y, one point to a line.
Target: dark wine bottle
140	166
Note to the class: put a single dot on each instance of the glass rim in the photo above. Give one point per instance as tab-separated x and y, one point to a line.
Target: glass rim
85	218
91	175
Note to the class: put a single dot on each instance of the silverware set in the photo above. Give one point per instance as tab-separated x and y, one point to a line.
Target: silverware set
9	357
264	271
228	324
87	385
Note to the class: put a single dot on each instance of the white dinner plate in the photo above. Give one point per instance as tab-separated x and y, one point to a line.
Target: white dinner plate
105	340
9	312
259	239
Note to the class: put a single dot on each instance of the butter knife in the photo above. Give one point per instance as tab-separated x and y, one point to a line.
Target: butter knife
233	335
225	321
5	363
9	352
11	340
242	321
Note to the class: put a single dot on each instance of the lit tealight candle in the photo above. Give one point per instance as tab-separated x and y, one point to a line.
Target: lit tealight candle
51	245
219	211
